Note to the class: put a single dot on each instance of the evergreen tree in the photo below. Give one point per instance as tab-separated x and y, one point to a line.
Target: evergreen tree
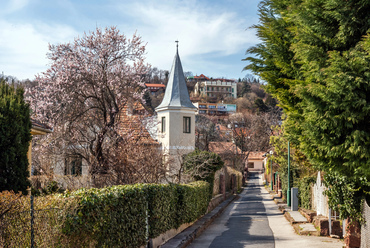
15	135
315	58
260	105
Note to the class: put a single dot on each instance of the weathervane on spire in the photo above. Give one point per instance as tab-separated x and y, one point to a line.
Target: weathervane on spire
177	45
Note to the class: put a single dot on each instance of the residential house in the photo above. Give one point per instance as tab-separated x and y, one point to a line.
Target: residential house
256	161
216	88
215	108
155	88
201	77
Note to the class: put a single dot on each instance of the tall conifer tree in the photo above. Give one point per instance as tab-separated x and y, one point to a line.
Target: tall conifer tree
15	135
315	57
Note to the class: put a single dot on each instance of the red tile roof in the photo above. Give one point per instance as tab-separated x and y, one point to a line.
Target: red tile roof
224	148
156	85
132	126
256	155
201	76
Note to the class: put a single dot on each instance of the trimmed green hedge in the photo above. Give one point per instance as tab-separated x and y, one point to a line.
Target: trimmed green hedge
110	217
304	191
193	201
107	217
162	201
116	216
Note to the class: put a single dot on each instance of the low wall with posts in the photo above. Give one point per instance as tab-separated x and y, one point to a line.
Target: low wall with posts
365	228
227	180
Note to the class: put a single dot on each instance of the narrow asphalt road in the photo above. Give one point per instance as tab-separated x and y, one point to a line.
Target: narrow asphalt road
243	224
254	220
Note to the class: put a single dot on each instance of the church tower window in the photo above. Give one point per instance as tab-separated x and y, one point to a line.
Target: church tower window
187	124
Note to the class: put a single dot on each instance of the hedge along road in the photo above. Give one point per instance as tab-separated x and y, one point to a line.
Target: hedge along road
255	221
244	223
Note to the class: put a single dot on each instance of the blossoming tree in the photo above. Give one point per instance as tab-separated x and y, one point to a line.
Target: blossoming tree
82	95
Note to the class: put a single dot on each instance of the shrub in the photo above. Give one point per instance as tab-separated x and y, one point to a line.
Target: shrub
50	214
162	206
112	217
51	188
192	202
116	216
107	217
304	191
202	165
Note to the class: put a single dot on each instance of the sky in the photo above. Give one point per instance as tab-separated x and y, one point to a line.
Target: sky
213	35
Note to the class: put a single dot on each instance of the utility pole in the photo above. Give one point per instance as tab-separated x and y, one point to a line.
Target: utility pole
288	191
272	185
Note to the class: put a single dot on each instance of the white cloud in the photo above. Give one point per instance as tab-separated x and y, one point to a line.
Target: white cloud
206	33
23	47
200	30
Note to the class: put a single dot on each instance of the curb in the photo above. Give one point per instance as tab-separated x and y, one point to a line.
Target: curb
184	238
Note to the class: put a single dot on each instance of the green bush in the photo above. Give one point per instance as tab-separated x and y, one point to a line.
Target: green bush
202	165
111	217
162	204
116	216
107	217
192	202
304	191
50	215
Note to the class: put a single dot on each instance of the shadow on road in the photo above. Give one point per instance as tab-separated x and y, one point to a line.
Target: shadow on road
247	224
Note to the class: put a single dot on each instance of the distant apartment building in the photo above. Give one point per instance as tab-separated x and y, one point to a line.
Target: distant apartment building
215	108
216	88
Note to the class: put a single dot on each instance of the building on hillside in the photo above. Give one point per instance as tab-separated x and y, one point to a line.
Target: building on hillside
256	161
216	88
176	118
201	77
215	108
154	88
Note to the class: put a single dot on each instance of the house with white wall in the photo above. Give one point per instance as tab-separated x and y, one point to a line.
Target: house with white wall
256	161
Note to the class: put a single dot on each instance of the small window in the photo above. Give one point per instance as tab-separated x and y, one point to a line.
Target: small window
186	124
163	129
251	165
73	166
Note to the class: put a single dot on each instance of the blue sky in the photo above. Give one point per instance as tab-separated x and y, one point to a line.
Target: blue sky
213	34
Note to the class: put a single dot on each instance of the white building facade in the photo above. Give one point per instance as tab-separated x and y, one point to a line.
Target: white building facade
215	89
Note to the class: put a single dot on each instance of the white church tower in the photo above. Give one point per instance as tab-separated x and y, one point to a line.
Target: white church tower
176	118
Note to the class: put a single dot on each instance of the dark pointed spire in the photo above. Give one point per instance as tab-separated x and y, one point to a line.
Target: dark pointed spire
176	95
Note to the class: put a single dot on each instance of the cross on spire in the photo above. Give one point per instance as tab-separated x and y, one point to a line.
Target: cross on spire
177	45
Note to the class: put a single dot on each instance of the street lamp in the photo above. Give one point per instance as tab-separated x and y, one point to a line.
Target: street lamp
271	152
